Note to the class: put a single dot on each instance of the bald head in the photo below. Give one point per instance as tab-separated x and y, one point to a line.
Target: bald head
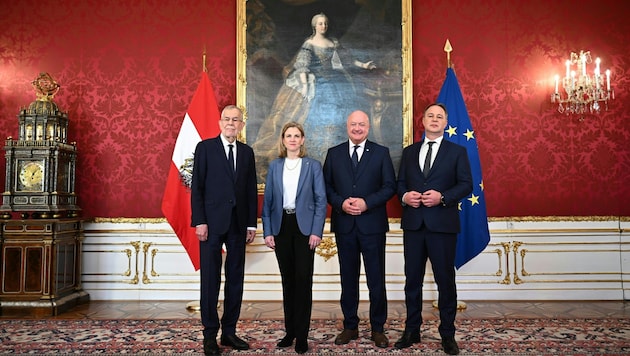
358	126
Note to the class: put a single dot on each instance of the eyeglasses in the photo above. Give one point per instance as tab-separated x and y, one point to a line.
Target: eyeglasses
232	119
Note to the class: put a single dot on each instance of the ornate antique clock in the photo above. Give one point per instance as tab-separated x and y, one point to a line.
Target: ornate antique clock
40	254
40	171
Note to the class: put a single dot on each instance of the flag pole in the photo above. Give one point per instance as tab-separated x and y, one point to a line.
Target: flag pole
203	60
195	306
448	49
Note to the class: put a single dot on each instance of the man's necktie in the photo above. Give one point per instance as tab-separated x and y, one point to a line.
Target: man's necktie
355	157
427	160
231	158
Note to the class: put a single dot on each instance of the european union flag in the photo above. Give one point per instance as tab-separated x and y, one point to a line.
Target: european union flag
474	235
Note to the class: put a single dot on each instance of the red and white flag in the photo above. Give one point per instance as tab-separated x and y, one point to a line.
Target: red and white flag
201	122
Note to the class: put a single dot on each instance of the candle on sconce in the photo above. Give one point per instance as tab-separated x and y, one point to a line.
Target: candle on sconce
572	80
597	73
557	79
608	79
597	61
583	64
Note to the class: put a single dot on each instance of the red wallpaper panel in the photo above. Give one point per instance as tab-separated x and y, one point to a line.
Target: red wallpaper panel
535	161
128	70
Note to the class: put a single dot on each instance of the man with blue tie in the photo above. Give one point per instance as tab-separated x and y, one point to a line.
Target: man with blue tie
434	176
224	203
360	179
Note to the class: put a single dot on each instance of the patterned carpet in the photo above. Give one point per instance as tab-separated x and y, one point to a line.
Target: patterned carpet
183	336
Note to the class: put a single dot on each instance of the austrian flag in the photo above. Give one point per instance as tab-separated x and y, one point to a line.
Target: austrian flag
201	122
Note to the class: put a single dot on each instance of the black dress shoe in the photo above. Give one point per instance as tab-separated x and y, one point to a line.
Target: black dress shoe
450	345
347	335
301	346
286	341
234	341
407	339
210	347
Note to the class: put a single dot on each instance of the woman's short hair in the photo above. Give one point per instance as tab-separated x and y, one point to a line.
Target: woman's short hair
282	150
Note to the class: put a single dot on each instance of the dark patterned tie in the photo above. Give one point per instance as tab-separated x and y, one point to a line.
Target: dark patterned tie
355	157
231	158
427	160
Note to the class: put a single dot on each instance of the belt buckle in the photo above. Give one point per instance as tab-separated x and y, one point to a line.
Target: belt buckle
289	211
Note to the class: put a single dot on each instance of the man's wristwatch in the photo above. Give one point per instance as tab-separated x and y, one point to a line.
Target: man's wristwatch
442	200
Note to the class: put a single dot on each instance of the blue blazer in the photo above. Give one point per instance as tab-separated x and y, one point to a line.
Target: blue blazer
374	181
449	175
310	201
215	193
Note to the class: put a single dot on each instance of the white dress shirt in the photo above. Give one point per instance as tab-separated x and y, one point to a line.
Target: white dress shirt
290	178
425	148
359	149
227	149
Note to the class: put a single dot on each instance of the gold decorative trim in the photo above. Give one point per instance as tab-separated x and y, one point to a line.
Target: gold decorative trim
547	231
128	220
327	248
556	218
407	79
241	61
123	220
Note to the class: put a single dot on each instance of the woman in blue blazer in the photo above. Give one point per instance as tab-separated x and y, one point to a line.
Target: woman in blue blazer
293	217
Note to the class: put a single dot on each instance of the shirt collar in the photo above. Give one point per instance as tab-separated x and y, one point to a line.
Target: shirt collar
361	145
437	140
226	142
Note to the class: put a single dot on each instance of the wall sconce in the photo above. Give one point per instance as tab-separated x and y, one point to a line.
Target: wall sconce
582	93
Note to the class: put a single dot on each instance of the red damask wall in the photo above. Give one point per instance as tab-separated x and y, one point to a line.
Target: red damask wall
128	70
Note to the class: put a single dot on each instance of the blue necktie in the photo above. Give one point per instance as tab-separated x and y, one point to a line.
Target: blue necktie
355	157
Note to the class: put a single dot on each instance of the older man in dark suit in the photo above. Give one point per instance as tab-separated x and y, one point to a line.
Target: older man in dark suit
434	176
224	206
360	179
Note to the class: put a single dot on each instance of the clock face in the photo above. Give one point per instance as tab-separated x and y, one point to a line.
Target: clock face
31	176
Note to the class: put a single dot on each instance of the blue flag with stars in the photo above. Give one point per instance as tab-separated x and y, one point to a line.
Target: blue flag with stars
474	235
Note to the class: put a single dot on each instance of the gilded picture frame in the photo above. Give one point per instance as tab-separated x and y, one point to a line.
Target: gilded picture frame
373	40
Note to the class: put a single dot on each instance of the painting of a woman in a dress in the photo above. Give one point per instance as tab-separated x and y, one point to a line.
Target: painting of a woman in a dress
318	92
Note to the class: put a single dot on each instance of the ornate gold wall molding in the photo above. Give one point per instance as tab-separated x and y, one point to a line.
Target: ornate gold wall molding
122	220
128	220
557	218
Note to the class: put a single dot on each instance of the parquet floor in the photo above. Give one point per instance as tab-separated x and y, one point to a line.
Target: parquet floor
331	310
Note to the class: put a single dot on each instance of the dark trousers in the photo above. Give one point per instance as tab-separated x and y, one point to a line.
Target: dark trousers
211	261
440	249
295	261
350	247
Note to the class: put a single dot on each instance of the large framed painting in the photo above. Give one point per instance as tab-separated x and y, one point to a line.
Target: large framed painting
315	62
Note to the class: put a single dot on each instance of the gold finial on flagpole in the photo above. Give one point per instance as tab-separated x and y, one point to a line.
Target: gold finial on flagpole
448	49
203	59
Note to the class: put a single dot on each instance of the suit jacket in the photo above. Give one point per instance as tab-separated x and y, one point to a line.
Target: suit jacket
215	192
374	181
449	175
310	201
